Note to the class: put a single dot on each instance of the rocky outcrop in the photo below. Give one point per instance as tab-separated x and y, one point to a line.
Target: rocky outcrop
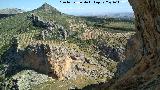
56	61
114	53
49	60
61	63
49	28
37	21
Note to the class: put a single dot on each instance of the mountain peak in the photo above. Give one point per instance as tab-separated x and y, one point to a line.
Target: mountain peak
46	6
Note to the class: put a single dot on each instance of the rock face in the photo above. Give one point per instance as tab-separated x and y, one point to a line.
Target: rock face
143	49
47	60
49	28
56	61
61	63
43	24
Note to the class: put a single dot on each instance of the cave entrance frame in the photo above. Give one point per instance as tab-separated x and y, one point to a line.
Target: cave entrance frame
147	23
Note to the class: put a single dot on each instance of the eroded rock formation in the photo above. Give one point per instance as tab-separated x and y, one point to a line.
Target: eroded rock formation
37	21
61	63
52	61
49	28
57	61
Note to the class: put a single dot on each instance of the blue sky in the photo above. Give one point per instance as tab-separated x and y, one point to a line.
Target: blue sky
73	9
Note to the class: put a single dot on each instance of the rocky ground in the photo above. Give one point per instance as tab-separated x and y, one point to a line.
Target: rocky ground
27	79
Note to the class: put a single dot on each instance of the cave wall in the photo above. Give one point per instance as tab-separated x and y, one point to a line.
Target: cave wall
145	43
144	48
147	20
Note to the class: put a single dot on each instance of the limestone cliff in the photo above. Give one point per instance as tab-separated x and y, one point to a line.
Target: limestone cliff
57	61
46	59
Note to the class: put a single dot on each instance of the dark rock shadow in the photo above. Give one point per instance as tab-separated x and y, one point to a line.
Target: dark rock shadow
15	60
109	52
6	15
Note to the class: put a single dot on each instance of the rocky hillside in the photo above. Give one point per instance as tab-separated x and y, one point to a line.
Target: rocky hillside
73	51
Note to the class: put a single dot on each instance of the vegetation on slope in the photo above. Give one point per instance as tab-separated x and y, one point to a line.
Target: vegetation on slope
93	36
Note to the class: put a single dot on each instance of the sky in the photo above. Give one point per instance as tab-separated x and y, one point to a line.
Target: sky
70	8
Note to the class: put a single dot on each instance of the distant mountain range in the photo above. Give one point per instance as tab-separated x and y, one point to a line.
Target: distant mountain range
125	15
11	11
